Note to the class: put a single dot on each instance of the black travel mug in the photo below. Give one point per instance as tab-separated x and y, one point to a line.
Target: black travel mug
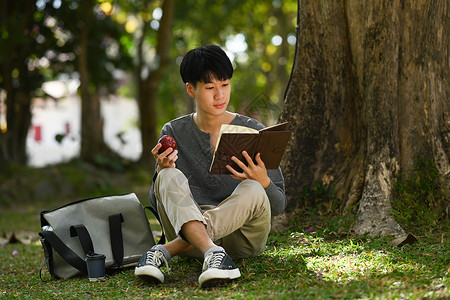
96	266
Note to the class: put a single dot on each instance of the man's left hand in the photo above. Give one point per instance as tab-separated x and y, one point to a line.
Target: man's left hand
253	171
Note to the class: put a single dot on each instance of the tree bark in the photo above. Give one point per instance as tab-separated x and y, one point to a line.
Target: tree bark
148	87
369	92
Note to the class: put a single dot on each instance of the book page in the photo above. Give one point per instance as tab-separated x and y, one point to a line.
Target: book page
228	128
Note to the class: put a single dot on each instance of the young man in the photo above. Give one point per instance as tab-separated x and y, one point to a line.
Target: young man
217	217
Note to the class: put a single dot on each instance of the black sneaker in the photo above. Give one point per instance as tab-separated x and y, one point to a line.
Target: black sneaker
149	266
218	268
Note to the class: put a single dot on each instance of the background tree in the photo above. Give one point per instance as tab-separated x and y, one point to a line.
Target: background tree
92	143
87	41
24	40
368	93
194	23
148	40
150	76
94	42
40	41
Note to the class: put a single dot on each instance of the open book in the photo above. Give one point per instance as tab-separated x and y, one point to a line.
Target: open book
233	139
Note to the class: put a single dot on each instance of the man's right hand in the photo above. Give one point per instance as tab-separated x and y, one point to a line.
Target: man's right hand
166	159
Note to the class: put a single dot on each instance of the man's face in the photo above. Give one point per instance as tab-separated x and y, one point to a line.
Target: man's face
212	98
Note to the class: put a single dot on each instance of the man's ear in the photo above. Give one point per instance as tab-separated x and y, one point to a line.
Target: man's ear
190	89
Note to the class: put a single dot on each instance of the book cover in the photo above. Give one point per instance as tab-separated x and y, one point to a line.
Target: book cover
270	142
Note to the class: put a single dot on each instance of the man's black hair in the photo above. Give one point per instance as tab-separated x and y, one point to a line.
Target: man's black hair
204	64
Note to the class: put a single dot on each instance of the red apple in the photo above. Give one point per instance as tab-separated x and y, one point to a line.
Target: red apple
167	142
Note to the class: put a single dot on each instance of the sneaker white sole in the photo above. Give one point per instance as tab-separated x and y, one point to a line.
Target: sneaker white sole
213	277
149	274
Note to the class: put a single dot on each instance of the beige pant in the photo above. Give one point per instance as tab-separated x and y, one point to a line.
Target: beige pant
240	223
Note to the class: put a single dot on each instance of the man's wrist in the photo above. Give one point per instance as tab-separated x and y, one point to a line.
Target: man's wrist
266	182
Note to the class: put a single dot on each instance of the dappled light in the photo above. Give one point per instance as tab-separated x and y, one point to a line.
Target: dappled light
295	264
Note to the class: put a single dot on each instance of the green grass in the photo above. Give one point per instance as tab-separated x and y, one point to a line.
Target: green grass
316	258
294	265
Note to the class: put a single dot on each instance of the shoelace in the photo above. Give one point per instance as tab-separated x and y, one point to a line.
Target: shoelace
156	258
213	260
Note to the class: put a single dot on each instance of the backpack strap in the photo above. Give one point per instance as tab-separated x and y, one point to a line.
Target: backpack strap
65	252
84	237
162	239
115	233
48	256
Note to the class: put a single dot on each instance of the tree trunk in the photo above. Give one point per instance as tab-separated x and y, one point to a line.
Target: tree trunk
19	87
369	92
18	120
92	142
148	87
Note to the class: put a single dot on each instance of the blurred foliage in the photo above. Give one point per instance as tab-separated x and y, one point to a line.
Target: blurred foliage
53	186
49	45
24	40
262	69
105	54
254	33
